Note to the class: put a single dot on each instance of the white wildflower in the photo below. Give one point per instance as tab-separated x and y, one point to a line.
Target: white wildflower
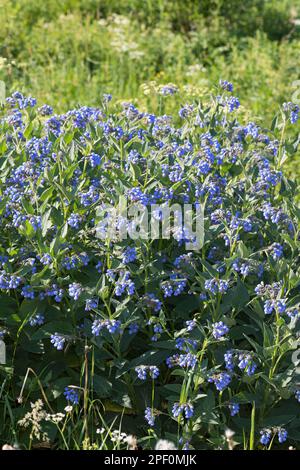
163	444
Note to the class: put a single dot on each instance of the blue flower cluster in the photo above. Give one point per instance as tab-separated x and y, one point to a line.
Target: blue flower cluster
243	360
185	409
221	380
37	320
292	111
234	408
149	417
58	341
112	326
212	328
267	434
219	330
142	372
71	395
216	286
175	286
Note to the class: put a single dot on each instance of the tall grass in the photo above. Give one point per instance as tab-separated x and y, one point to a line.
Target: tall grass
70	52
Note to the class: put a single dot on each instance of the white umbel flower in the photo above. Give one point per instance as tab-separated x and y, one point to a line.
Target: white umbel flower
163	444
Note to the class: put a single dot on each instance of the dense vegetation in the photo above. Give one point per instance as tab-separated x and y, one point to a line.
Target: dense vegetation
138	335
118	343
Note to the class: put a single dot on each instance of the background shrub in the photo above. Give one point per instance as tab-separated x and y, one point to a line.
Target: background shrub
70	52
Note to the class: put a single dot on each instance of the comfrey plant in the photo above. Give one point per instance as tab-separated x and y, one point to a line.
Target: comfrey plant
181	344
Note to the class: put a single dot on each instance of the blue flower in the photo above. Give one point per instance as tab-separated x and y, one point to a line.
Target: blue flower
74	220
232	103
221	380
186	409
282	435
151	301
246	363
37	319
266	435
176	173
191	324
234	408
172	361
153	372
91	304
293	111
188	360
149	417
58	341
75	290
142	371
157	328
18	99
112	326
133	328
71	395
129	255
293	312
45	259
167	289
219	330
269	307
124	283
9	281
245	268
186	111
54	125
185	344
169	89
99	266
107	97
281	305
45	110
277	251
229	360
247	225
216	285
94	159
175	286
27	292
226	85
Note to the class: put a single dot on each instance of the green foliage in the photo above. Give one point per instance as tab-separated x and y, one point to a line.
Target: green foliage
68	53
87	319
